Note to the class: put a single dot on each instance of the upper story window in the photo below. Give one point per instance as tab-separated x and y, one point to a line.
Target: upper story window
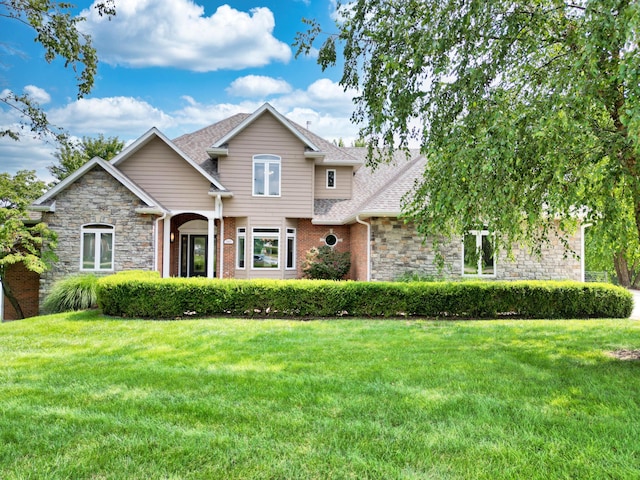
331	178
478	252
97	247
266	175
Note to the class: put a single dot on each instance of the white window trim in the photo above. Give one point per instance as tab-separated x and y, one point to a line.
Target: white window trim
335	178
241	233
275	235
266	159
97	232
479	234
290	233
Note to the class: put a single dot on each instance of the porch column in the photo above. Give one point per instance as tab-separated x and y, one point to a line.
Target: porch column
211	247
166	246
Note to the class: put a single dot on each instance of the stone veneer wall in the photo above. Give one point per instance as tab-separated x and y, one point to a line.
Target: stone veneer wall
97	197
397	249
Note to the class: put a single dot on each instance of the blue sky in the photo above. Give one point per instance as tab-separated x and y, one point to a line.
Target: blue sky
177	65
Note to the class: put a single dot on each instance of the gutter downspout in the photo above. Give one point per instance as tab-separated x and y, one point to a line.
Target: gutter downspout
368	225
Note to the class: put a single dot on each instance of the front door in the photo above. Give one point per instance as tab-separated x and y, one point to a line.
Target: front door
194	258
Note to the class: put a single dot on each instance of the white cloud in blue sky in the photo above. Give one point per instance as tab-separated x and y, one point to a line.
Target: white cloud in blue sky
178	65
257	86
177	33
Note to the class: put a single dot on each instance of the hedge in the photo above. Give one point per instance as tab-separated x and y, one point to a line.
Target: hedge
141	296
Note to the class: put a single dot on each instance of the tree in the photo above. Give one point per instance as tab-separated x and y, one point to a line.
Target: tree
21	242
326	263
57	31
72	156
527	111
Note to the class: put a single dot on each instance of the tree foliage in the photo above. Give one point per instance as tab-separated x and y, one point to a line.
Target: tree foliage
22	241
527	111
71	156
56	29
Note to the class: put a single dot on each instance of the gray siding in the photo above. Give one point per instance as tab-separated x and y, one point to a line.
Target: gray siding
168	178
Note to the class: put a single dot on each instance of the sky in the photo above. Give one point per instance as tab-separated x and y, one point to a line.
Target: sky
177	65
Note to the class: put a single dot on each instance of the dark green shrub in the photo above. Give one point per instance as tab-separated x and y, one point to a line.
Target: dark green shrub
78	292
326	263
146	297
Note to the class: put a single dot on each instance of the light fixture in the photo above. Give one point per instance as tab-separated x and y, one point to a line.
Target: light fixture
172	237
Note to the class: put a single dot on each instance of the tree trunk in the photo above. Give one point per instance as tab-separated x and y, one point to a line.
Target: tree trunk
622	269
11	297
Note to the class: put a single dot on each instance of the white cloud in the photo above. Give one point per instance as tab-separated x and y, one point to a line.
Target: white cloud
325	125
175	33
38	94
119	116
257	86
323	94
27	154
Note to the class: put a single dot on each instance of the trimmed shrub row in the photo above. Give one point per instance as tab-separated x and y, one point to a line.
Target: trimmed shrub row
145	297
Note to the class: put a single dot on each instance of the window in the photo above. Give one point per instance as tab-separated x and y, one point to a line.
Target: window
266	175
291	248
478	253
331	179
265	252
331	240
240	252
97	247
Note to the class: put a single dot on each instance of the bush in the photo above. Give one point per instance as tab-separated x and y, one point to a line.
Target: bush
78	292
146	297
325	263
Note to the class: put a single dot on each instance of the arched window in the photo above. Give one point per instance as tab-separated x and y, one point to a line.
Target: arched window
96	247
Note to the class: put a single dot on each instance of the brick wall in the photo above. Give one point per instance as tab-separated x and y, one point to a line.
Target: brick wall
24	285
397	249
97	197
230	232
309	236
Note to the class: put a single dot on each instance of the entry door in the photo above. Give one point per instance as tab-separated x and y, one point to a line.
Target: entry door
193	255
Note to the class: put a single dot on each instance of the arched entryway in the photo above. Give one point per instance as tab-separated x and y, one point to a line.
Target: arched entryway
192	251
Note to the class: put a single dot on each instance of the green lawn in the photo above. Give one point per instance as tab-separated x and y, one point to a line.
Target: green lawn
87	397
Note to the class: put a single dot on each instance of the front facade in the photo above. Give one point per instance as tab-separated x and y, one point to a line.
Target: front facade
248	197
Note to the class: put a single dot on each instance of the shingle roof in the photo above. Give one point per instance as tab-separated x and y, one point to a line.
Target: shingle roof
375	192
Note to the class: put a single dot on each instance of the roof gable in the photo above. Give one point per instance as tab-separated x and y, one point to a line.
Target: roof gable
107	167
155	133
251	118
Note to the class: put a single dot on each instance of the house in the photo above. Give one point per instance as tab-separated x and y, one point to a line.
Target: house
248	197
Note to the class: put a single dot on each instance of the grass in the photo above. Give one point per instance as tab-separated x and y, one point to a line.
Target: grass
86	397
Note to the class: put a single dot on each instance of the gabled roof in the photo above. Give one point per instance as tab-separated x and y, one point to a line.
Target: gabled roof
155	133
250	119
197	143
49	196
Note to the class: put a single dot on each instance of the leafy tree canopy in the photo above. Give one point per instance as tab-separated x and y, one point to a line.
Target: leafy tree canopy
56	29
72	156
22	241
527	111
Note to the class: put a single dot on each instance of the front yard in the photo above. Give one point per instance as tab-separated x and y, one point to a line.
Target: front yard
86	397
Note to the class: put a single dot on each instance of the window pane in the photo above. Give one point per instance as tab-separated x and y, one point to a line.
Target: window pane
106	254
258	179
291	247
265	252
274	179
241	242
470	255
88	250
487	256
331	178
